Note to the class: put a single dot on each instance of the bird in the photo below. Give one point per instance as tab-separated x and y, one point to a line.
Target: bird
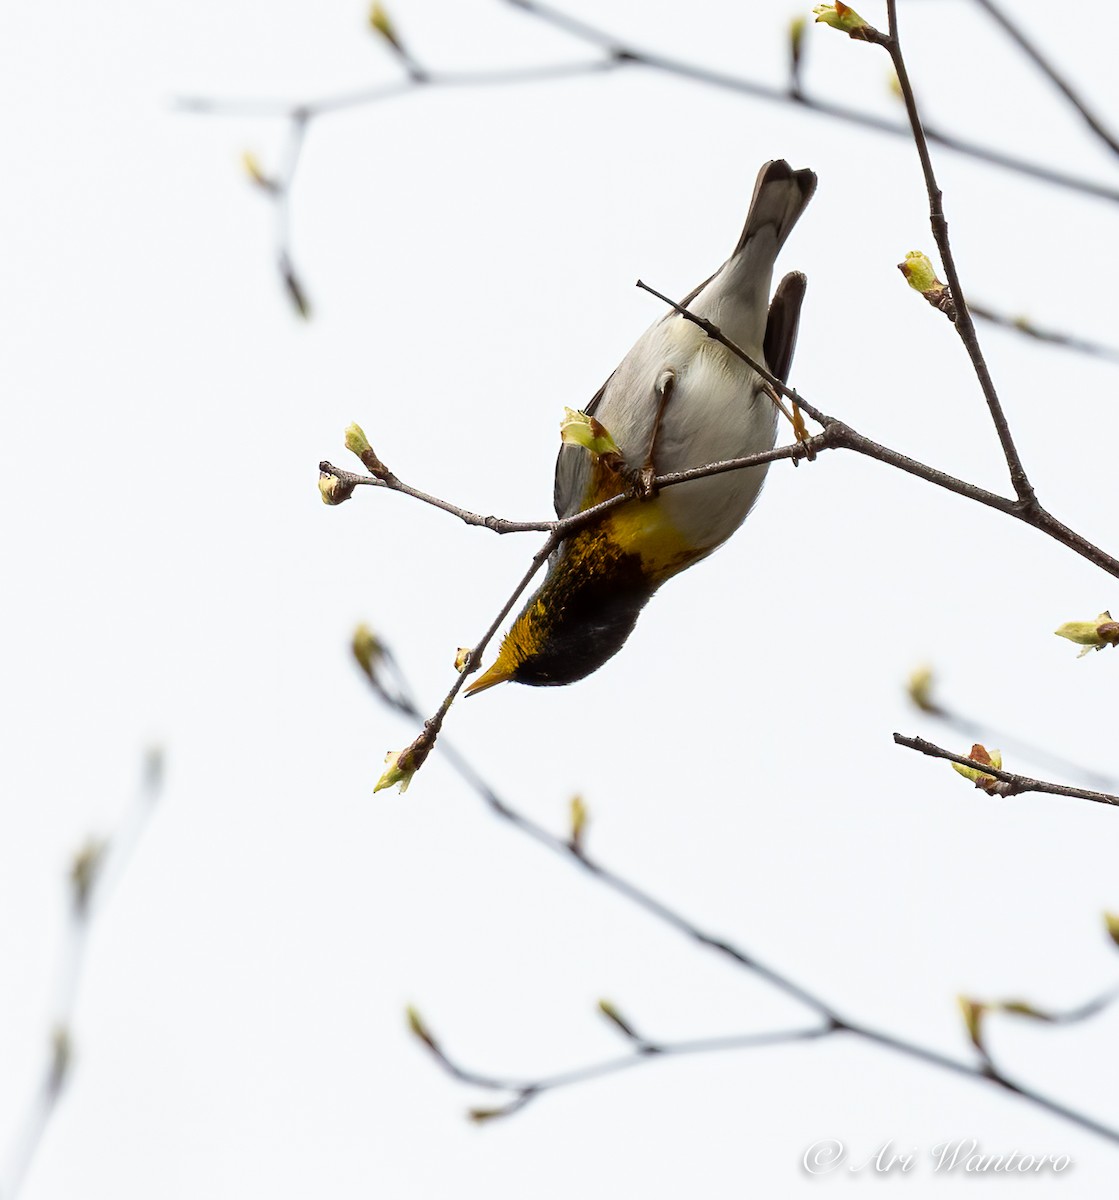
679	399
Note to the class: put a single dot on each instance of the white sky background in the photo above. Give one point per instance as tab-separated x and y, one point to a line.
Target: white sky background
172	575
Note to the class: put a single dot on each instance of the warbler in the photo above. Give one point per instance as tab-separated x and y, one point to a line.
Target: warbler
679	399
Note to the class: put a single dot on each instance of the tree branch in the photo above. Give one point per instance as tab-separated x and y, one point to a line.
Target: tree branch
842	435
921	693
965	326
1017	783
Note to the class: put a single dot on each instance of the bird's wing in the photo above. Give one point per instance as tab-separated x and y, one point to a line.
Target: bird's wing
781	327
573	469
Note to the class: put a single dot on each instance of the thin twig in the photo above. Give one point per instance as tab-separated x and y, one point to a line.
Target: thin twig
588	516
965	326
843	436
988	735
1018	783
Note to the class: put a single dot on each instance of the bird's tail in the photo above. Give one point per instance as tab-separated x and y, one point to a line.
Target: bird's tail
780	196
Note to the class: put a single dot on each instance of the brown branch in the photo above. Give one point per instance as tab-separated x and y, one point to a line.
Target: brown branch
965	326
986	734
1017	783
588	516
841	435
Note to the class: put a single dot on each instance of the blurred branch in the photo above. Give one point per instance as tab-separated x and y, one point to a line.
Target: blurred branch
94	868
628	53
1040	333
278	186
1016	783
616	54
523	1090
1094	123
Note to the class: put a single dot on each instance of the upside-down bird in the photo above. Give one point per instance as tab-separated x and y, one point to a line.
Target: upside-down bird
678	400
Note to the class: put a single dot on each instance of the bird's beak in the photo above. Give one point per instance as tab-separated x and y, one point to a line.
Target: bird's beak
488	679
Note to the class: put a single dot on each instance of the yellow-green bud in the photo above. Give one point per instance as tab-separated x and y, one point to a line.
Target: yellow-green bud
920	688
333	490
1092	635
842	17
921	277
380	22
462	658
62	1055
578	822
797	27
84	870
367	651
417	1026
973	1012
981	754
579	429
401	767
615	1018
918	271
255	172
357	443
1111	923
479	1115
1020	1008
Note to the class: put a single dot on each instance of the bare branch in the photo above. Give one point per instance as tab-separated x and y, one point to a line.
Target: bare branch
921	693
843	436
616	55
964	324
588	516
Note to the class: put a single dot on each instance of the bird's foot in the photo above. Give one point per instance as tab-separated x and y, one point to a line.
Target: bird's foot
644	482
